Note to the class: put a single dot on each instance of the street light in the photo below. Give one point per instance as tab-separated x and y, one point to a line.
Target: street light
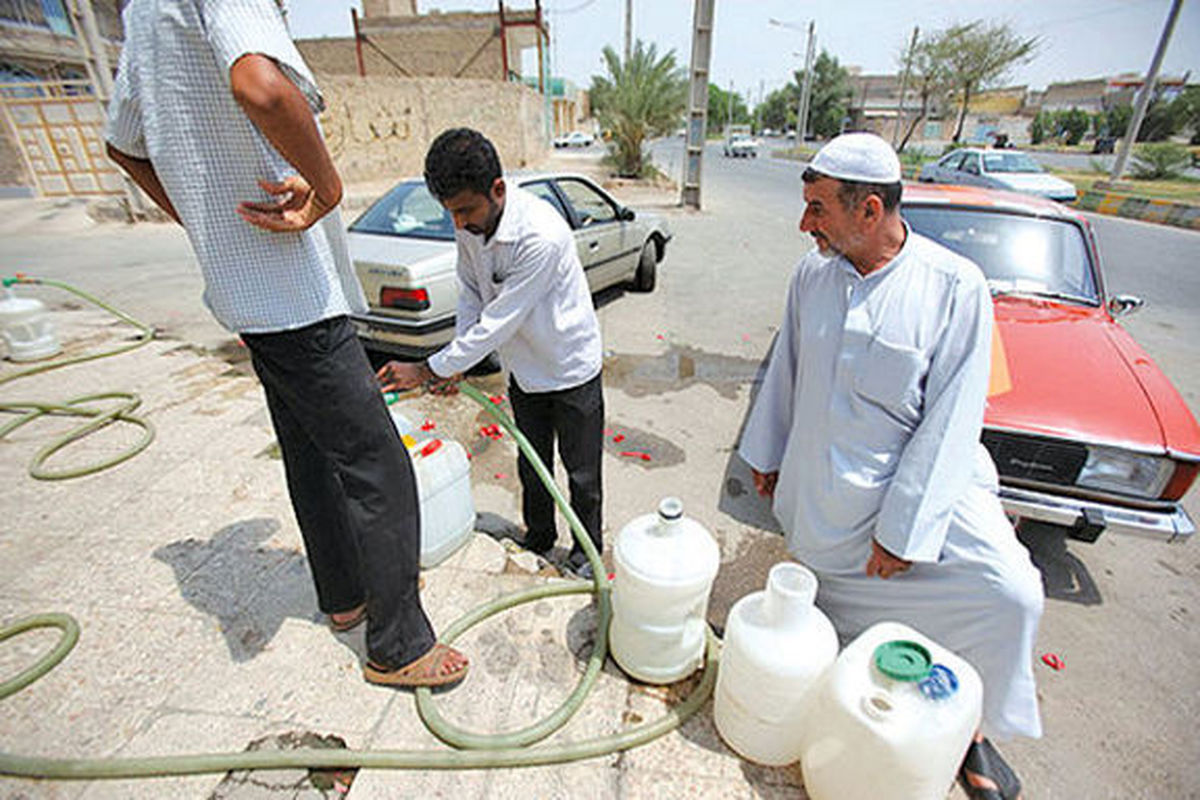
806	88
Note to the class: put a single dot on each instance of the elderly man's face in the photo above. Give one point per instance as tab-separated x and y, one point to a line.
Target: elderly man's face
834	229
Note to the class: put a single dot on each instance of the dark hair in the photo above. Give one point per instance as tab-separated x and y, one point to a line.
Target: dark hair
853	193
461	159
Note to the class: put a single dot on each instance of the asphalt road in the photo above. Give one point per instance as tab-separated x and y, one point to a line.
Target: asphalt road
1121	613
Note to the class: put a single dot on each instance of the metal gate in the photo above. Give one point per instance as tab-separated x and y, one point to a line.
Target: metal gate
59	129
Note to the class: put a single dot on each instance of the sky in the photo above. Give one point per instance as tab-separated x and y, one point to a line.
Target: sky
1079	38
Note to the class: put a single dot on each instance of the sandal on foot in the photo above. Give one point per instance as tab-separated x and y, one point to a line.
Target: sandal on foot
356	618
425	671
983	761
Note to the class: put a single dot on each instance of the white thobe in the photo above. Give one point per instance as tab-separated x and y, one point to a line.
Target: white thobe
870	410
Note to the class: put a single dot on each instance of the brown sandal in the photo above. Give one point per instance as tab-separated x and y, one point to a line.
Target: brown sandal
356	618
425	671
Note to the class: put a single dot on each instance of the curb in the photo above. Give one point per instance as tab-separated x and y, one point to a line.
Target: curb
1163	212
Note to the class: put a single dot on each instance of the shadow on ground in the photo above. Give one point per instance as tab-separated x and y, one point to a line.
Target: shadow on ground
1064	575
248	587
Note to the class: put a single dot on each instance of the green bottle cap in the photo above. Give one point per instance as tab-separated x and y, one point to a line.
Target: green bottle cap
902	660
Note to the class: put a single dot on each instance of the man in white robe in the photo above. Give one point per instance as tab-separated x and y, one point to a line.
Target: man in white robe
866	432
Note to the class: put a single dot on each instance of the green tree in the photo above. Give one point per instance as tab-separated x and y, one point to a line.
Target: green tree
1160	160
976	55
831	95
927	80
1074	124
719	107
1189	111
640	98
778	111
1041	127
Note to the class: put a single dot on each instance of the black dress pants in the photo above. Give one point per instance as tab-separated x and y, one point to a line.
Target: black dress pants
576	417
350	479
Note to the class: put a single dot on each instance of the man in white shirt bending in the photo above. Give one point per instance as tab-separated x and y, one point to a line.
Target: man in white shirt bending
523	295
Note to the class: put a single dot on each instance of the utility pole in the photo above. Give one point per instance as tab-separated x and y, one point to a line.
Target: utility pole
729	109
912	48
1143	100
806	92
758	110
702	30
628	27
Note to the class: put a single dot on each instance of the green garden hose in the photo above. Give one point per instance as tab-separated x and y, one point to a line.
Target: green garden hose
28	411
476	751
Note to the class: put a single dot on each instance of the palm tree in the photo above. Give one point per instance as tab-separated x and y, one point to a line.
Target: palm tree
640	98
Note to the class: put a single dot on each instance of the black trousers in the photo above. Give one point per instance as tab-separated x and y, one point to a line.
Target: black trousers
350	479
576	417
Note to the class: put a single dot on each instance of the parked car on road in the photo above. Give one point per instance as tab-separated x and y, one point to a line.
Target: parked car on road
1085	429
741	145
1013	170
575	139
404	253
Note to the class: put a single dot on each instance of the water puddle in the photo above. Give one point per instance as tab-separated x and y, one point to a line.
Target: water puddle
677	369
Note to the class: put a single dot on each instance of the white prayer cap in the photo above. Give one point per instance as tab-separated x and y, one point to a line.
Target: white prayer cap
862	157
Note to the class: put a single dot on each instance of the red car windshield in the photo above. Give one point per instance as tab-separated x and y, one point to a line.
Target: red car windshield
1018	254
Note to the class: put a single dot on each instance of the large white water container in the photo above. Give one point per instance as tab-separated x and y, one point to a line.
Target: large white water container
26	329
777	647
665	565
444	487
891	720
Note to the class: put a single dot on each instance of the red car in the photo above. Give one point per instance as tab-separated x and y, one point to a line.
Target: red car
1085	429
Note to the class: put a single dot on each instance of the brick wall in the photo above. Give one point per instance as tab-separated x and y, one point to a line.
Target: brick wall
380	128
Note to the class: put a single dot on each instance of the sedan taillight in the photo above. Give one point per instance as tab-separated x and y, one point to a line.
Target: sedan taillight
404	299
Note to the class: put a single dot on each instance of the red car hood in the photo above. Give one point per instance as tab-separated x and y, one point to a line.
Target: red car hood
1072	372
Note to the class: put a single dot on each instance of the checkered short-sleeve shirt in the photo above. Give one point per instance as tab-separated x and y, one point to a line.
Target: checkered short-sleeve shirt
172	104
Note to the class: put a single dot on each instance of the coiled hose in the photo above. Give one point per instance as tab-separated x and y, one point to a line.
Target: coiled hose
28	411
475	750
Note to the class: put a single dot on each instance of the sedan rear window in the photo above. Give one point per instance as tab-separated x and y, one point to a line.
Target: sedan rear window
1018	254
407	210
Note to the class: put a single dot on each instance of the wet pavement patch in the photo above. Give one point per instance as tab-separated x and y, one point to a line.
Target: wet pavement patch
641	448
292	782
677	369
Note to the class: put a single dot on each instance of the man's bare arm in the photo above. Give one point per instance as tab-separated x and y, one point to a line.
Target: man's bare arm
280	111
143	174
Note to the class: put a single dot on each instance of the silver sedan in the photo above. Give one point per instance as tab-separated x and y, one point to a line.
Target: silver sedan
1011	170
404	253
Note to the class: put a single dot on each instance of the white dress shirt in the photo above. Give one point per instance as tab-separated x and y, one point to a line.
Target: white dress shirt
523	294
172	104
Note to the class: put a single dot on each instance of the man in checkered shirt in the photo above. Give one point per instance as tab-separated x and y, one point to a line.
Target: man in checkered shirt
213	116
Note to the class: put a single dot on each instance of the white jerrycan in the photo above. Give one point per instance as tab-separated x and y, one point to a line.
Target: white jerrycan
443	474
26	329
665	565
777	647
891	720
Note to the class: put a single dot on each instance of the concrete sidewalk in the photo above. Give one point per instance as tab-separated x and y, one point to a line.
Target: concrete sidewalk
201	633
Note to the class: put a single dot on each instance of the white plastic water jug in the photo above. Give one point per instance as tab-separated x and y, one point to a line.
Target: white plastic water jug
26	329
665	565
777	647
892	719
402	423
444	487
